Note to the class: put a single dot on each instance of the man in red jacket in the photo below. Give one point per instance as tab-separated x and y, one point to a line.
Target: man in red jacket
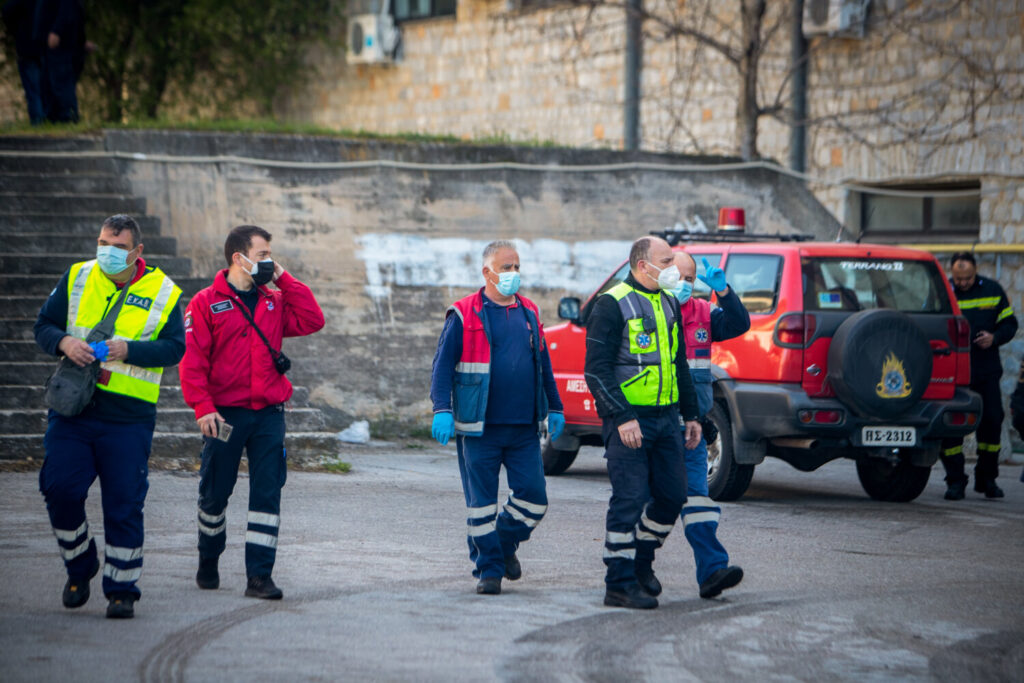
233	375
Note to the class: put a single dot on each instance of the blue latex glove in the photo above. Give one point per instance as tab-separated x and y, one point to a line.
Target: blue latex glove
100	350
713	277
443	427
556	423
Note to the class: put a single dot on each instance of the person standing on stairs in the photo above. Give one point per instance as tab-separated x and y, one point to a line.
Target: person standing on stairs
233	377
112	437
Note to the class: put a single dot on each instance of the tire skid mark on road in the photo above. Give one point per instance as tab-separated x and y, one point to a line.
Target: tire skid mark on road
995	656
167	662
605	646
810	634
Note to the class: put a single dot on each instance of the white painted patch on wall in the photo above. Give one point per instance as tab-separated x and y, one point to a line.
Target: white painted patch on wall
412	261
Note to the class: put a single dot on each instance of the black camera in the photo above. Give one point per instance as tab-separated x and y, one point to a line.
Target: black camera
282	363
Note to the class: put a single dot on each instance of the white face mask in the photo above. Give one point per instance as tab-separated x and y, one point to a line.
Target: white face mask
668	278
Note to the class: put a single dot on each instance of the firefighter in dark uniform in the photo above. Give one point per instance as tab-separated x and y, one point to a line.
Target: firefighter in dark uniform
636	368
983	302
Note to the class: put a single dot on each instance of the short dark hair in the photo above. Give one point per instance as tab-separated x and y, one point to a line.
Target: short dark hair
240	240
963	256
640	250
120	222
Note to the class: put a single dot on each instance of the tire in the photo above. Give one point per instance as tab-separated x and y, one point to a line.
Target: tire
899	482
879	363
556	461
726	479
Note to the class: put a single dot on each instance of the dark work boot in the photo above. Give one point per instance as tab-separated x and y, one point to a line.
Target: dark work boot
121	606
513	570
489	586
632	596
955	490
76	591
720	581
992	490
262	587
647	580
208	578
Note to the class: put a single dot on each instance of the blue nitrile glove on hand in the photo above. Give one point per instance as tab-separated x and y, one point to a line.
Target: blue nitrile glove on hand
556	423
443	427
100	350
713	277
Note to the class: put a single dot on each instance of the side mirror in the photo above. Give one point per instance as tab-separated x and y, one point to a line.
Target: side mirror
569	309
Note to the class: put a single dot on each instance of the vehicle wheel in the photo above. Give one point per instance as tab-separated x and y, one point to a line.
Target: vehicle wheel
726	480
898	482
556	460
879	363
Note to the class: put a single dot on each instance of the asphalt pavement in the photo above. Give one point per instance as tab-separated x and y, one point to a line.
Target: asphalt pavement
377	587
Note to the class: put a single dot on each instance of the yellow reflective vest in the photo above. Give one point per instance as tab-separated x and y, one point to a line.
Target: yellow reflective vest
147	305
645	365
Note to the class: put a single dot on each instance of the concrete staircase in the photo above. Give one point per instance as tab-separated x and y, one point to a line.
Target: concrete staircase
51	209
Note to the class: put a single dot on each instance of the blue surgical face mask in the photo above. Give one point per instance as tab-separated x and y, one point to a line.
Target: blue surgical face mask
683	291
112	260
508	283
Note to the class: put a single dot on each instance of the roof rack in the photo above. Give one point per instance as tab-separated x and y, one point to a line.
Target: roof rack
676	237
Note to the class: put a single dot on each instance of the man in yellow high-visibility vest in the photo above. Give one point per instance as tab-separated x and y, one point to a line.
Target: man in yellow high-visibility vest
112	437
636	368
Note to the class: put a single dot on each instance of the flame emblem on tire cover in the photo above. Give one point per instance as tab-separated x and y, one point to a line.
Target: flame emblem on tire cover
894	382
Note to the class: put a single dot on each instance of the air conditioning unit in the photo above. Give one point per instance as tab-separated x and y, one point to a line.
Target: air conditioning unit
835	18
372	39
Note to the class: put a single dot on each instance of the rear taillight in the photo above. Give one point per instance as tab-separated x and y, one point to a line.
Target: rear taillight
960	419
795	330
821	417
960	333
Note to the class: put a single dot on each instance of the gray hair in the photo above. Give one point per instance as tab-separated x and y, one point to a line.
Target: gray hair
494	247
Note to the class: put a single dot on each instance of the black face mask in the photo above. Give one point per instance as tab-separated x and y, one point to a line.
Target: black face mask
261	272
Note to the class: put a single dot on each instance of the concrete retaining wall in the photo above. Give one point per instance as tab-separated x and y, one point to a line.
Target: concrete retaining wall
387	250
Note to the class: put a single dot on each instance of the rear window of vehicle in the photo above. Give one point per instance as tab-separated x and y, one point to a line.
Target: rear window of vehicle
755	278
852	284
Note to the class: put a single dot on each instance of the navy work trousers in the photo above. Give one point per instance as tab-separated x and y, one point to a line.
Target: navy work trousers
701	515
79	449
261	434
648	492
493	537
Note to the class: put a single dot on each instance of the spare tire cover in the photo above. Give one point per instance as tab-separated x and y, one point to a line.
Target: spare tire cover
879	363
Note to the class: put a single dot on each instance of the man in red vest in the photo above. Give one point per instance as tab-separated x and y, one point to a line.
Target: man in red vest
492	387
702	325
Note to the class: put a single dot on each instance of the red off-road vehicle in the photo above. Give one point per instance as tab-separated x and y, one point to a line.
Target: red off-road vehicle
854	351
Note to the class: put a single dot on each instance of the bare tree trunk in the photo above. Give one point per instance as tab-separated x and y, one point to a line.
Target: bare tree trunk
747	110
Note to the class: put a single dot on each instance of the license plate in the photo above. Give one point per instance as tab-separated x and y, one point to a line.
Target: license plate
888	436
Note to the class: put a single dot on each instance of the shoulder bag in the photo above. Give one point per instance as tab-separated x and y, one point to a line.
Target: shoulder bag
70	388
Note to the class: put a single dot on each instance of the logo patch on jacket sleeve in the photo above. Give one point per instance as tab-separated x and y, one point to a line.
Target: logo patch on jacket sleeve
222	306
145	303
